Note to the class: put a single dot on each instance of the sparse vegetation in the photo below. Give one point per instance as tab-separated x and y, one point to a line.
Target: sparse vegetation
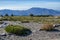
32	19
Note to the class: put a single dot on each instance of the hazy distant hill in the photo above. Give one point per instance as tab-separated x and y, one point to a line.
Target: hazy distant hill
35	11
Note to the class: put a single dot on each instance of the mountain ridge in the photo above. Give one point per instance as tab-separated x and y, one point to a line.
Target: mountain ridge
35	11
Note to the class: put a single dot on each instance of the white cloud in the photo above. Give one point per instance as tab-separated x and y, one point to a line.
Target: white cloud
24	6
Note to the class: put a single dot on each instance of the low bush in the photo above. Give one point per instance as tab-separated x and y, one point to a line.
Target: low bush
18	30
24	21
47	27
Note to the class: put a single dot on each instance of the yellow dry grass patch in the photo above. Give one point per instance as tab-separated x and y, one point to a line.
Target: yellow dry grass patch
47	27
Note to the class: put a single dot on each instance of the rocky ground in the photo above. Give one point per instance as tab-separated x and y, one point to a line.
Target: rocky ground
35	35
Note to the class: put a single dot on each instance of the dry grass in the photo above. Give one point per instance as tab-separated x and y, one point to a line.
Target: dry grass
47	27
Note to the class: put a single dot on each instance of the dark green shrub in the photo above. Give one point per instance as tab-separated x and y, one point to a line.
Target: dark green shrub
25	21
12	15
6	15
18	30
31	15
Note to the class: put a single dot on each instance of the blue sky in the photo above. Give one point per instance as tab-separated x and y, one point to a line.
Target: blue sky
26	4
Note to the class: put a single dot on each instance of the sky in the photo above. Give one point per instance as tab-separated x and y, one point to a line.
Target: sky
27	4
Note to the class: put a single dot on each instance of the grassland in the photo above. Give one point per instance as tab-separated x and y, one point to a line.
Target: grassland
32	19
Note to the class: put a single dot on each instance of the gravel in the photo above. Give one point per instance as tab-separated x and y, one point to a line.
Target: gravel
35	35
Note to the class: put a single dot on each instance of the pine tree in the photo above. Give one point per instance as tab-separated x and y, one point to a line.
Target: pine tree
6	15
12	15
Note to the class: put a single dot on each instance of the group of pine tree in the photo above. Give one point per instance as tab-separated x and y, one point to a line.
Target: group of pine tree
7	15
29	15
